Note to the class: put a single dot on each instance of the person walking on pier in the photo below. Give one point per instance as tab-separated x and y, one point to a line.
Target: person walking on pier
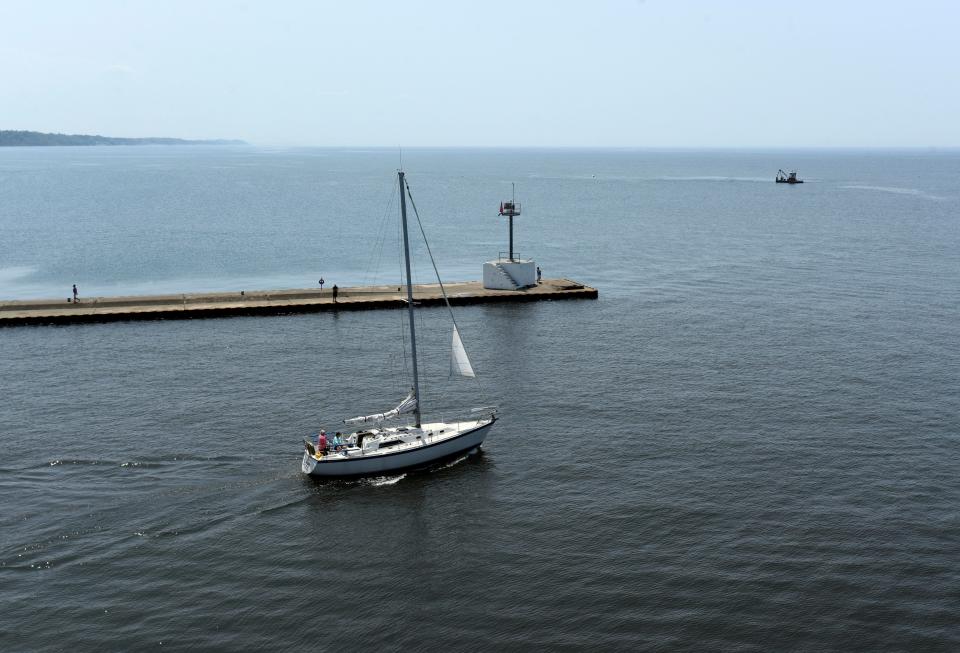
75	300
335	291
321	285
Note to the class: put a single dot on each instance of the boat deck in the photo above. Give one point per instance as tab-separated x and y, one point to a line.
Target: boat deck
272	302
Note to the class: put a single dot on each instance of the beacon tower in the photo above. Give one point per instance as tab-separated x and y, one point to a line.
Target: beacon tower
510	272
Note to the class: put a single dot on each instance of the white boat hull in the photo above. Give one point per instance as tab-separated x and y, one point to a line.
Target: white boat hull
379	463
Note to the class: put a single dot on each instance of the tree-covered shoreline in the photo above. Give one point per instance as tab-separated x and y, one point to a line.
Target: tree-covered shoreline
12	138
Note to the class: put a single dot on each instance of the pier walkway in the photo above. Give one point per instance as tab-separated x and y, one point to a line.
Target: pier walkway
272	302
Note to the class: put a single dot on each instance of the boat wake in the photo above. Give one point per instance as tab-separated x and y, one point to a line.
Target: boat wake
915	192
455	461
283	504
715	178
145	463
58	461
380	481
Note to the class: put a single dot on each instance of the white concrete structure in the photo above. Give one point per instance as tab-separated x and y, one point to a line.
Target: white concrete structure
504	274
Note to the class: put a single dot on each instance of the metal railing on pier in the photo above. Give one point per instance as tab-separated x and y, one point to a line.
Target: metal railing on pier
505	256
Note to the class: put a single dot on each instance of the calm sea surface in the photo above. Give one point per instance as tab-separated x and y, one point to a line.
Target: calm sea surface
749	442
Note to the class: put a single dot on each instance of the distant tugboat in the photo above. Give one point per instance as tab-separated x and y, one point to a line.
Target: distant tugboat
784	178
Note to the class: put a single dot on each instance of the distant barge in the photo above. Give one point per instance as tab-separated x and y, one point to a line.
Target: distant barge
272	302
784	178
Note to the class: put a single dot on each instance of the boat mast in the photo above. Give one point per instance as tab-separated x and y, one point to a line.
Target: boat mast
406	258
511	209
513	203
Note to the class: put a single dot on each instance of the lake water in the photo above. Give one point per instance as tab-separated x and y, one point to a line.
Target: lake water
749	442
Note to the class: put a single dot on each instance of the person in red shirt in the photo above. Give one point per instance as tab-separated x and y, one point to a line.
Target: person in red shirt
322	442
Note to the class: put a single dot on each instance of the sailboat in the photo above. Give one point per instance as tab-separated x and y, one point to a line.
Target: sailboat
381	445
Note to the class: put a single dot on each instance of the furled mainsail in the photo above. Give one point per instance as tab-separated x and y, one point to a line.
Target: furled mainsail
408	405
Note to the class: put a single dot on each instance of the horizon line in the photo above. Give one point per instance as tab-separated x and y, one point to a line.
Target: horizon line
611	147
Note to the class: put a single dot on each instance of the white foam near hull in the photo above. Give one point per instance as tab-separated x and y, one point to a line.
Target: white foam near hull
463	437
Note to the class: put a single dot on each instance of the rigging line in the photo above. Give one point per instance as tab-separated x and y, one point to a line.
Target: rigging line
382	234
376	255
443	290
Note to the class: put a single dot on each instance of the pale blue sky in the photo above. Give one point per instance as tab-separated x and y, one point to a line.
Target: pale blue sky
604	73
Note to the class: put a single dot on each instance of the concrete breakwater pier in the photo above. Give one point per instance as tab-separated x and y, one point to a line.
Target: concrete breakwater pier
272	302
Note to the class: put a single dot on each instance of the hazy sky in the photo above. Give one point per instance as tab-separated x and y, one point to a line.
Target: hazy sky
657	73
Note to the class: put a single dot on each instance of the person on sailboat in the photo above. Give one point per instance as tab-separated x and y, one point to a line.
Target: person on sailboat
337	441
322	441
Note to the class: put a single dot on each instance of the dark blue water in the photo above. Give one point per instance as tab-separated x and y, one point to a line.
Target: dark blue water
749	442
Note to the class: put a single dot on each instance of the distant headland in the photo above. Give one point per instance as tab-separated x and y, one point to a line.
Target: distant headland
9	138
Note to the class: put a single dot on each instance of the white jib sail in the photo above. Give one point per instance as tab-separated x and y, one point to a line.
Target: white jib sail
408	405
459	363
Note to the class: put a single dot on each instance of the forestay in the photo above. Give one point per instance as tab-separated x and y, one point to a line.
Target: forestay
408	405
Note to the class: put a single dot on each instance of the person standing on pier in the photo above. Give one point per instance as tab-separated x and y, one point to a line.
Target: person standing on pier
321	285
75	300
538	275
335	291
